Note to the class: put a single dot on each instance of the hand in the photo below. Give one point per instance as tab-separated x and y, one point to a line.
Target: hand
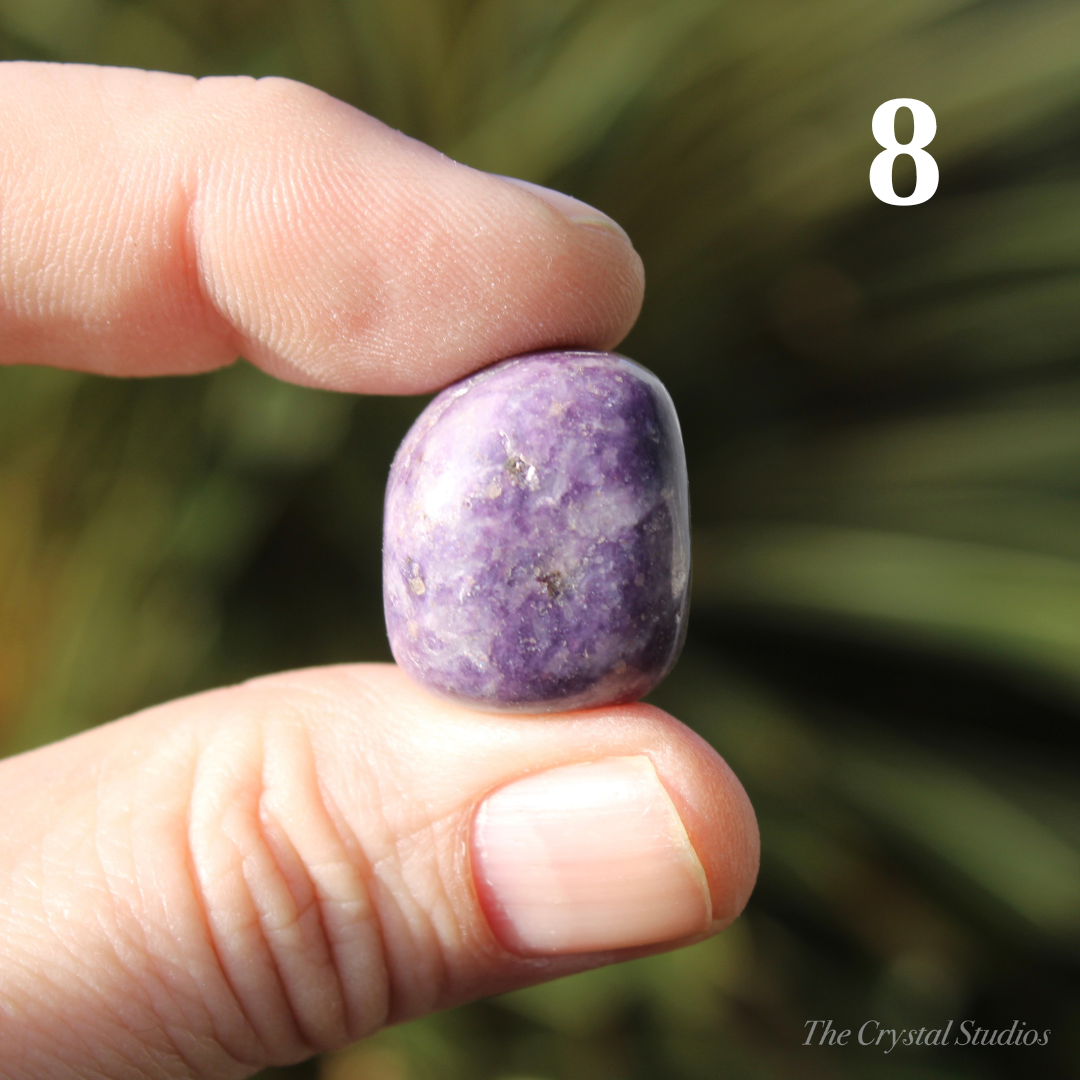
259	873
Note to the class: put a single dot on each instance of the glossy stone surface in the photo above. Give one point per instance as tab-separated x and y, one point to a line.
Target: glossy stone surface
536	548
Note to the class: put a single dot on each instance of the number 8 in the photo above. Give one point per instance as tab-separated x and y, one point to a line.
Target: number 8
926	171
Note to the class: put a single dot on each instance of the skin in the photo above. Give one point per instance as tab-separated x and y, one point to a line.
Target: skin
259	873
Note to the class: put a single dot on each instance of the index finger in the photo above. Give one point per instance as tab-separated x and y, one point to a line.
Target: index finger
156	224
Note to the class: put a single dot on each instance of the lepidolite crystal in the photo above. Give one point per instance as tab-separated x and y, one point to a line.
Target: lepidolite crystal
536	549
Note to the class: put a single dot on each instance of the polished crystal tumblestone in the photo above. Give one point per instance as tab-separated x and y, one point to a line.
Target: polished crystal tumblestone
536	549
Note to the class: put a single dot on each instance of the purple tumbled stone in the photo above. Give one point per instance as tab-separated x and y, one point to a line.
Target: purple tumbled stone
536	548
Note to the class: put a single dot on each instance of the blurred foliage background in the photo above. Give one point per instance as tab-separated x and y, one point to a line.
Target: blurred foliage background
882	413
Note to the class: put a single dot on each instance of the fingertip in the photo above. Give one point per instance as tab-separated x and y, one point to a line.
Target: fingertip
551	778
369	262
714	808
179	222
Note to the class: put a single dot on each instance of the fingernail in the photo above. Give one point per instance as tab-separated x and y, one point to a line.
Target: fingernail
585	858
574	210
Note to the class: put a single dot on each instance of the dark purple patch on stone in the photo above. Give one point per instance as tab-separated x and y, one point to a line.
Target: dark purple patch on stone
536	545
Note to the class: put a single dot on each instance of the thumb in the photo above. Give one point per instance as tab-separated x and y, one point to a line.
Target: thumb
259	873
